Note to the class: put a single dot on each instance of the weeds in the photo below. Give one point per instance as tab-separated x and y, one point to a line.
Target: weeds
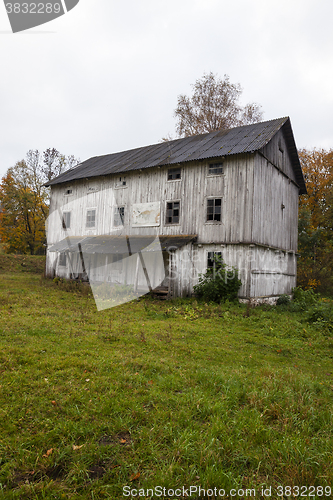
150	393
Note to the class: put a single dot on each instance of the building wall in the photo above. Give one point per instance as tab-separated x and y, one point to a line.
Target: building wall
259	206
234	187
275	207
263	272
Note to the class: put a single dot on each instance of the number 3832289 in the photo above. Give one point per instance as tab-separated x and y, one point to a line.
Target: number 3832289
33	8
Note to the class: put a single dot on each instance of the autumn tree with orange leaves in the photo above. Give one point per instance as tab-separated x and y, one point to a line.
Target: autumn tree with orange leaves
315	241
24	200
22	217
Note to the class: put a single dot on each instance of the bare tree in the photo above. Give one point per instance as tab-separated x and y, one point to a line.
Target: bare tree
213	106
38	168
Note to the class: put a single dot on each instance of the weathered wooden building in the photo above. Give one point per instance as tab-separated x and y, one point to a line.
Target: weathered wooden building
232	193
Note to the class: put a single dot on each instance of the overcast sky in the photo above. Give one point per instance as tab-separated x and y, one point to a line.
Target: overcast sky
105	77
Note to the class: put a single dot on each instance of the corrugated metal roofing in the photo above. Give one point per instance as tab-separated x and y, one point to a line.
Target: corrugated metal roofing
245	139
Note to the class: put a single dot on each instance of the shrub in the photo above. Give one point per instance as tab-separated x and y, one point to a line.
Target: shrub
304	299
283	300
219	283
321	316
308	297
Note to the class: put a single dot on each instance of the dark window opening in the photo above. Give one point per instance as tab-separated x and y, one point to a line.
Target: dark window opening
211	259
121	182
68	191
63	259
214	207
174	173
118	216
66	220
215	169
172	212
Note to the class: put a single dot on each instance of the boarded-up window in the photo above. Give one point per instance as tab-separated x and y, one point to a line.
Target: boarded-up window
215	169
62	259
174	174
91	218
172	212
146	214
66	220
214	206
118	216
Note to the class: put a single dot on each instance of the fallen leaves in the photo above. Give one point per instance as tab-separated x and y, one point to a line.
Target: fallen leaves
134	477
48	453
77	447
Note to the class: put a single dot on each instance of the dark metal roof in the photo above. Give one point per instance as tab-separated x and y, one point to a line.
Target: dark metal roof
245	139
115	244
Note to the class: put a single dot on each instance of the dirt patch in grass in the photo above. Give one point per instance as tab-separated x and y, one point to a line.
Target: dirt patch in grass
123	438
96	471
23	477
56	472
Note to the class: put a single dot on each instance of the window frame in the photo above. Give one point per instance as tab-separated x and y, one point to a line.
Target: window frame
63	259
210	259
166	212
65	224
122	183
117	214
214	213
93	189
88	226
174	169
215	166
68	191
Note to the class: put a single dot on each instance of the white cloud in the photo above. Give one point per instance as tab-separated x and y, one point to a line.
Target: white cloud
105	77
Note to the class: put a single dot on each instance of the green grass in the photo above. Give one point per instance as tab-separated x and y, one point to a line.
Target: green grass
153	393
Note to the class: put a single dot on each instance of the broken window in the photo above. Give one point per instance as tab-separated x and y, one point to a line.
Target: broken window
174	174
120	182
118	216
66	220
214	207
215	169
91	218
172	212
211	259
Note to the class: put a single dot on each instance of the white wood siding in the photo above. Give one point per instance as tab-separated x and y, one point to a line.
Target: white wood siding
234	187
274	225
259	207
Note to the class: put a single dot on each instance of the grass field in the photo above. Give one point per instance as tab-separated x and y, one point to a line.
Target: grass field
149	394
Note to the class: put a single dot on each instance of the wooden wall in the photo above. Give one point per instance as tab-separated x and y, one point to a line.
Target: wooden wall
263	272
235	187
259	206
275	207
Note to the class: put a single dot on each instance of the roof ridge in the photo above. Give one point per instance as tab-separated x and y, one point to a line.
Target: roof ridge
242	139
